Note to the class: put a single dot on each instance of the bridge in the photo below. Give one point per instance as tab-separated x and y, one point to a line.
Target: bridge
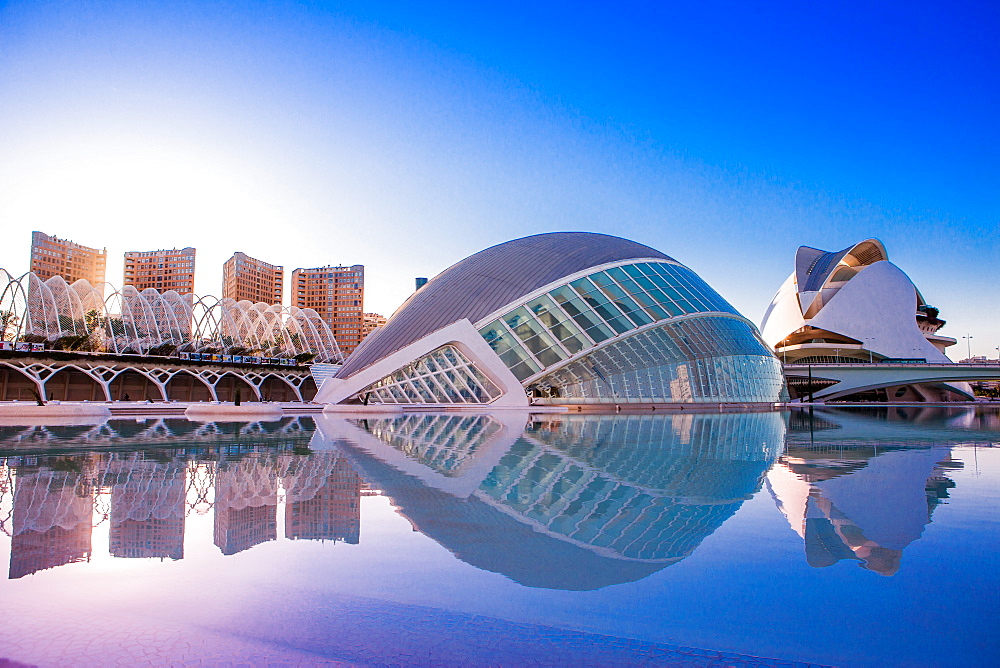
839	379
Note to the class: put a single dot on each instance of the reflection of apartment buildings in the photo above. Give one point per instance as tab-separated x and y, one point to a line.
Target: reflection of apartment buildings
333	512
147	509
337	294
52	521
162	270
858	505
52	256
246	505
246	278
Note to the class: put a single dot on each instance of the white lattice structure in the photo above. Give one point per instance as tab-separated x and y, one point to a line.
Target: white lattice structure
79	317
101	380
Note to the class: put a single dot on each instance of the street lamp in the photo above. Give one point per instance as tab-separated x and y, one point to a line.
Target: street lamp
968	343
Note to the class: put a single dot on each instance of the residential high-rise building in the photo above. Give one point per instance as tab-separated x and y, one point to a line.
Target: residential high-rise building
372	321
162	270
337	294
52	256
244	277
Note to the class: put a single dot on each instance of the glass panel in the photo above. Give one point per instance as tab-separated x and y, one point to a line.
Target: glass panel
547	312
522	324
601	279
583	286
522	371
558	324
648	303
550	356
634	270
458	383
646	283
539	343
577	310
618	273
599	333
496	335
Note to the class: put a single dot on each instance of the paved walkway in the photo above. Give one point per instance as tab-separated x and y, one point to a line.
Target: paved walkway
354	631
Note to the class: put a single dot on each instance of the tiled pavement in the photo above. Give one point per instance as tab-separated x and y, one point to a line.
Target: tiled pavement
355	631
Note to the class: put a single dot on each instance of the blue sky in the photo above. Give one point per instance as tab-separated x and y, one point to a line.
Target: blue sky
405	136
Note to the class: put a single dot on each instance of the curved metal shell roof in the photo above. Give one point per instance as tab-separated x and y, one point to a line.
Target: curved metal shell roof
814	266
482	283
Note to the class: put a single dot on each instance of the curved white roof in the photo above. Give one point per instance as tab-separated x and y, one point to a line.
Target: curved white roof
482	283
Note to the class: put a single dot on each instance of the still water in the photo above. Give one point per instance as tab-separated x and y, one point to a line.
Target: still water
839	537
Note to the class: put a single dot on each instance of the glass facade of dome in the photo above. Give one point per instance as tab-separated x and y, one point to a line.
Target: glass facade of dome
595	308
563	318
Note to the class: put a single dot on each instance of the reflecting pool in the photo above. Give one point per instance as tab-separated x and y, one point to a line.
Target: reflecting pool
832	536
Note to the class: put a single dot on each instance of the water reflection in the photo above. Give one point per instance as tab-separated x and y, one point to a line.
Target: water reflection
565	502
52	503
863	484
134	432
573	502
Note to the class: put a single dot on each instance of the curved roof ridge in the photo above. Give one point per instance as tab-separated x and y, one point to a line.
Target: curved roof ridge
485	281
814	266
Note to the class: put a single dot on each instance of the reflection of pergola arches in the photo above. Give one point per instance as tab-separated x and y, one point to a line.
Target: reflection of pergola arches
103	381
288	430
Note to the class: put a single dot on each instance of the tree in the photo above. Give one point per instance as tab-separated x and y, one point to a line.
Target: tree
9	323
94	320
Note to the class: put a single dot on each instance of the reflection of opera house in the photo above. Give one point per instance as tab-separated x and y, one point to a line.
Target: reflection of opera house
567	317
858	488
571	503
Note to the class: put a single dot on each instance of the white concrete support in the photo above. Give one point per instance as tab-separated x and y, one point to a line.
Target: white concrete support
460	334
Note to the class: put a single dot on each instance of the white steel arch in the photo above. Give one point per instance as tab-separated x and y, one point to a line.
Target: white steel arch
150	322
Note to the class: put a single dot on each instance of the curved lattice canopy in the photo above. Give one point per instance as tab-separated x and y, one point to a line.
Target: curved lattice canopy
78	317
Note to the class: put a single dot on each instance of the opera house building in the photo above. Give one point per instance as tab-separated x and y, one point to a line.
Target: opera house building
854	305
567	318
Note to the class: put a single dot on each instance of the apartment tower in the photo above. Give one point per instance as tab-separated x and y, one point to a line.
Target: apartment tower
161	270
337	294
52	256
246	278
372	321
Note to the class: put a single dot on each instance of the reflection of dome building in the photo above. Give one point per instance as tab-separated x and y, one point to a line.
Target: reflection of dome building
855	305
571	317
572	503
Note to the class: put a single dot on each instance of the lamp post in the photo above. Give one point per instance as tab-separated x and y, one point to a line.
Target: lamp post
968	343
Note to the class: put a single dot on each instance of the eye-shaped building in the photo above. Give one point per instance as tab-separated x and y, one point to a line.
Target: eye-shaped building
567	318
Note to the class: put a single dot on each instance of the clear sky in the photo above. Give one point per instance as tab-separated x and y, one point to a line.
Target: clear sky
405	136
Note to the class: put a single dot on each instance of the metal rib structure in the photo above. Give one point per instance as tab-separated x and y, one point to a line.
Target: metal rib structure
78	317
